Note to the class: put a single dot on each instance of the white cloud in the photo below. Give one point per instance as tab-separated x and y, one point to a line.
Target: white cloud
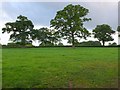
4	17
40	26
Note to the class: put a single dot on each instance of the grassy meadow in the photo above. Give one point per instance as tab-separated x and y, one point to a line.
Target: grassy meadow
80	67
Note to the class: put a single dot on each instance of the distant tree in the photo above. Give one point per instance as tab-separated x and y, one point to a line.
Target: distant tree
46	44
69	23
21	30
118	29
60	44
112	44
90	43
45	36
42	35
103	33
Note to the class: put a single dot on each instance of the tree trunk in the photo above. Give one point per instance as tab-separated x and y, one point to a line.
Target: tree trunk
103	43
23	42
44	43
73	40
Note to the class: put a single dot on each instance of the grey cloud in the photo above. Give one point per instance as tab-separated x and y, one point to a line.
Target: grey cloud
42	12
119	13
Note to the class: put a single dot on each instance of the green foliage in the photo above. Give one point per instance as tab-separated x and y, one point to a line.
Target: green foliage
17	45
46	44
103	33
21	29
113	44
12	45
118	29
60	44
46	36
90	43
69	22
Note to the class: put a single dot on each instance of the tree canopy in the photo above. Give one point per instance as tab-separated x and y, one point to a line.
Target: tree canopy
69	22
21	30
103	33
118	28
45	36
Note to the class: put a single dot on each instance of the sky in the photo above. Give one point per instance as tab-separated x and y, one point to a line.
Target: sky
42	12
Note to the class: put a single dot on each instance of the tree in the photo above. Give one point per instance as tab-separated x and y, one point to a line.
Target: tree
89	43
103	33
54	36
45	36
69	23
21	30
60	44
112	44
118	29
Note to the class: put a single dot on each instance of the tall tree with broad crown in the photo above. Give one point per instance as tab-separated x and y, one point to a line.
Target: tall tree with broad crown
69	23
21	30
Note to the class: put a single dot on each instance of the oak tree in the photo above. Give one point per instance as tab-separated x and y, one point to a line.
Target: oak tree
69	23
103	33
21	30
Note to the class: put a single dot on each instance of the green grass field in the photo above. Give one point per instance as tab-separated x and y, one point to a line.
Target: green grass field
83	67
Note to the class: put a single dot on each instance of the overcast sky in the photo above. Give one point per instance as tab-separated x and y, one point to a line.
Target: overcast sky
42	12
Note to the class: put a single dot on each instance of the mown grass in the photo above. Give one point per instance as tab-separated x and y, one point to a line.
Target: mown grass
60	67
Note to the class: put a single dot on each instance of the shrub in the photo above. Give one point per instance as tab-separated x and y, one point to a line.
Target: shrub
89	43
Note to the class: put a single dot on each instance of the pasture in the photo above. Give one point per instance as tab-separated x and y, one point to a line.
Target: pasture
80	67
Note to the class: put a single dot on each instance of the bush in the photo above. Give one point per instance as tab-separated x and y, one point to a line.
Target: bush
89	43
16	45
60	44
112	44
47	44
13	45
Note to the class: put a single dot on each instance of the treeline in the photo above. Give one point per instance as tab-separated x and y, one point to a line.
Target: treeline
68	24
81	44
